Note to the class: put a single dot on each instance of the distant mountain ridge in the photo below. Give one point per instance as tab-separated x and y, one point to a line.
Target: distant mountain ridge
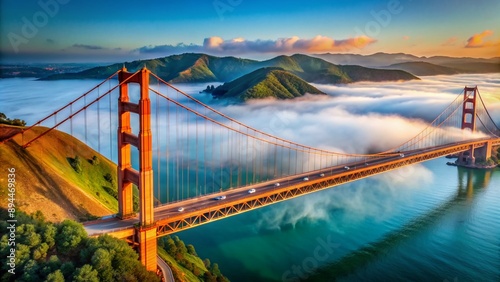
385	61
423	68
194	67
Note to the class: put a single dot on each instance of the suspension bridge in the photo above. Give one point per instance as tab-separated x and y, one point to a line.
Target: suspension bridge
193	164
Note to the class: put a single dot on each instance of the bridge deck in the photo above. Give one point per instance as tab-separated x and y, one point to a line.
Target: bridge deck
205	209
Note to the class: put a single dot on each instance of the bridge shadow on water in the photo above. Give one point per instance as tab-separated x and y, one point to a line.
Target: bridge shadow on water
470	183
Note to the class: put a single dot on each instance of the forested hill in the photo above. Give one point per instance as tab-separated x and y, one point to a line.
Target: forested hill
263	83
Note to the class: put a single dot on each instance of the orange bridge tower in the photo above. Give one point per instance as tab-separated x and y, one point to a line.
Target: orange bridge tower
145	234
482	153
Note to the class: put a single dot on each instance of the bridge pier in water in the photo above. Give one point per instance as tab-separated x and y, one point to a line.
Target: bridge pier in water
145	233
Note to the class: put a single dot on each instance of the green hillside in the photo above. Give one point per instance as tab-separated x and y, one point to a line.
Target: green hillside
191	67
263	83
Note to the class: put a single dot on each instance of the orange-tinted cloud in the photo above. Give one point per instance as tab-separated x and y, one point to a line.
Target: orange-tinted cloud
406	37
286	45
478	40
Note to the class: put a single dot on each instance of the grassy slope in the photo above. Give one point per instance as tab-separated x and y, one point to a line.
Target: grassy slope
47	182
188	275
266	82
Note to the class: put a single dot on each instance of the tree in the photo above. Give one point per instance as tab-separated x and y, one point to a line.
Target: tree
191	250
67	269
18	122
85	274
56	276
215	270
49	235
170	246
69	236
40	252
28	235
181	247
76	164
101	261
206	262
30	271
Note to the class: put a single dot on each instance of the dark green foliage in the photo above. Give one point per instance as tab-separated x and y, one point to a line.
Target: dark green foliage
181	247
70	235
16	122
109	178
63	252
206	262
76	164
85	274
191	250
170	246
56	276
215	269
94	161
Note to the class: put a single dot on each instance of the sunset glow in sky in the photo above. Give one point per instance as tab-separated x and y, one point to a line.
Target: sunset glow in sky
114	31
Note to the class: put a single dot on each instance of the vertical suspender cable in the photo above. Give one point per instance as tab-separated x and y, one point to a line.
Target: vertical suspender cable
157	134
98	123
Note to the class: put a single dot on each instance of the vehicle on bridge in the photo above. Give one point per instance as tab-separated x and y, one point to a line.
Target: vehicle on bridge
306	178
180	209
347	168
251	191
223	197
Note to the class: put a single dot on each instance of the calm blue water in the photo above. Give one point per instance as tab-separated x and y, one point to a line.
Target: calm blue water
430	222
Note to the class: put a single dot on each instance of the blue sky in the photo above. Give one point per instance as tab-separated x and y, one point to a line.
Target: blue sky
115	31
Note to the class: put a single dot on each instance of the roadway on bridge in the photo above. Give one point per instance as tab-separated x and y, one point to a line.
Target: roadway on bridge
208	201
